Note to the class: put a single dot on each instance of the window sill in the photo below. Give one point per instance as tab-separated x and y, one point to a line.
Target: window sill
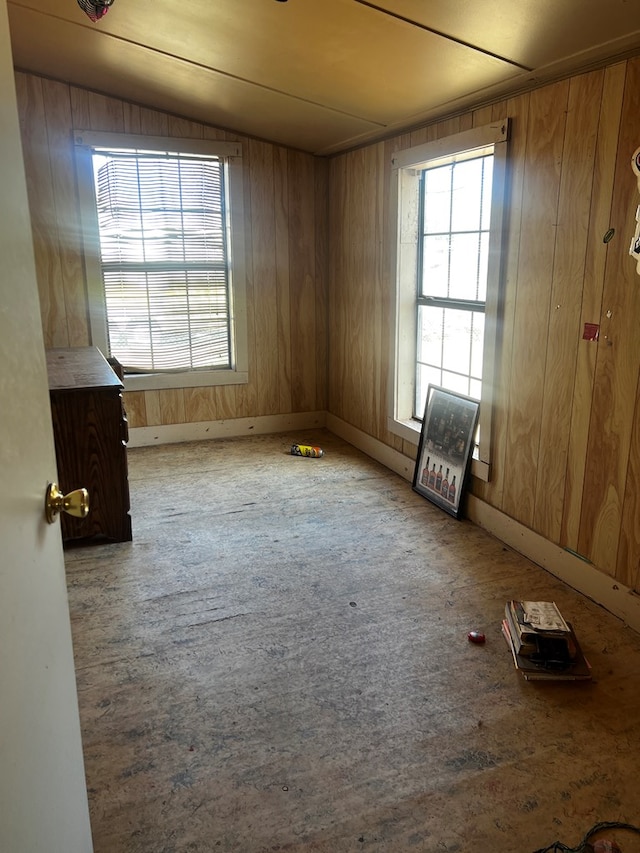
409	430
188	379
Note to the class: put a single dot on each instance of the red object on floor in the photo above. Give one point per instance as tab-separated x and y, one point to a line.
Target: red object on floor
479	637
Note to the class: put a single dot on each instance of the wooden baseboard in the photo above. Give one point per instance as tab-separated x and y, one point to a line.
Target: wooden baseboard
583	576
233	428
580	574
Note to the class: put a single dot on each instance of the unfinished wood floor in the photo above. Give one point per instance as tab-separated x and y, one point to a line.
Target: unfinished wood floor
279	662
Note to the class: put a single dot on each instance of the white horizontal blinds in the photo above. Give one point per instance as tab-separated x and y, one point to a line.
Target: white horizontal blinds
452	276
164	256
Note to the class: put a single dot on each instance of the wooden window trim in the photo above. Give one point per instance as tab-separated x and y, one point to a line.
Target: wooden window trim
406	166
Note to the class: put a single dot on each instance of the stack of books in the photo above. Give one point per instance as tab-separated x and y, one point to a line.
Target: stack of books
544	646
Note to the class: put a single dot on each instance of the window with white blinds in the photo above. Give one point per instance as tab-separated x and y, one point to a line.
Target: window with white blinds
163	252
169	287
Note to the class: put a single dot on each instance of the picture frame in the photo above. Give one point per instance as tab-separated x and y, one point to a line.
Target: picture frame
445	448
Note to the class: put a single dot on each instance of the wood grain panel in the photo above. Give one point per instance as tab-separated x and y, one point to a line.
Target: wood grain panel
42	206
351	319
226	401
362	331
199	405
131	118
302	282
152	408
466	121
220	135
215	403
535	271
381	298
416	137
172	409
484	116
67	222
263	264
353	329
375	315
366	272
597	250
105	113
618	361
246	396
135	408
154	123
336	231
448	127
574	207
183	128
321	196
80	112
370	368
281	224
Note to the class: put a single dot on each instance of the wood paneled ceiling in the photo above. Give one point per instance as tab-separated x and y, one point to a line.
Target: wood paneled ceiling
319	75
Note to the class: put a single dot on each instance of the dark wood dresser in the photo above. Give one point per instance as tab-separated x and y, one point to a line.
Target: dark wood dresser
90	433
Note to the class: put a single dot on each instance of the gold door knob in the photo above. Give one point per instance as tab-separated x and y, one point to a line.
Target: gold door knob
76	503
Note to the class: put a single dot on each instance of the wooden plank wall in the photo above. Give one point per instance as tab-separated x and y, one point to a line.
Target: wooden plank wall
566	443
285	201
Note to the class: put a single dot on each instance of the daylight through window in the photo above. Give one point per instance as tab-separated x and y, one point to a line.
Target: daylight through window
449	197
163	252
164	266
455	208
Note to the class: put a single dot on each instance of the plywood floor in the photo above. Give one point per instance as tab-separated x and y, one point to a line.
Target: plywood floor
279	662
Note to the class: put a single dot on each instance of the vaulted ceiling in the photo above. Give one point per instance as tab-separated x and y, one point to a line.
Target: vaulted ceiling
319	75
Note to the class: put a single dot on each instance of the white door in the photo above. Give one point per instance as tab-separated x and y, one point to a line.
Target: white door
43	799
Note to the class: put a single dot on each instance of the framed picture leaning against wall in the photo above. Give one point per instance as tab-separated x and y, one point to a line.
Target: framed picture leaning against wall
446	446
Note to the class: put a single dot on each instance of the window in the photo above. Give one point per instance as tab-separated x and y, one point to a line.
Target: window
453	253
450	197
162	220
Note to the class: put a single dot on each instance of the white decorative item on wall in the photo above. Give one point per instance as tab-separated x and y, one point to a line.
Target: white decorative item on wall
634	248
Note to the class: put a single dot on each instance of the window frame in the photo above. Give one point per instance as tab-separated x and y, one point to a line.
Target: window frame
231	155
406	167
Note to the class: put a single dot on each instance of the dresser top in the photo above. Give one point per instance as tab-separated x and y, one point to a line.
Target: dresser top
79	367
